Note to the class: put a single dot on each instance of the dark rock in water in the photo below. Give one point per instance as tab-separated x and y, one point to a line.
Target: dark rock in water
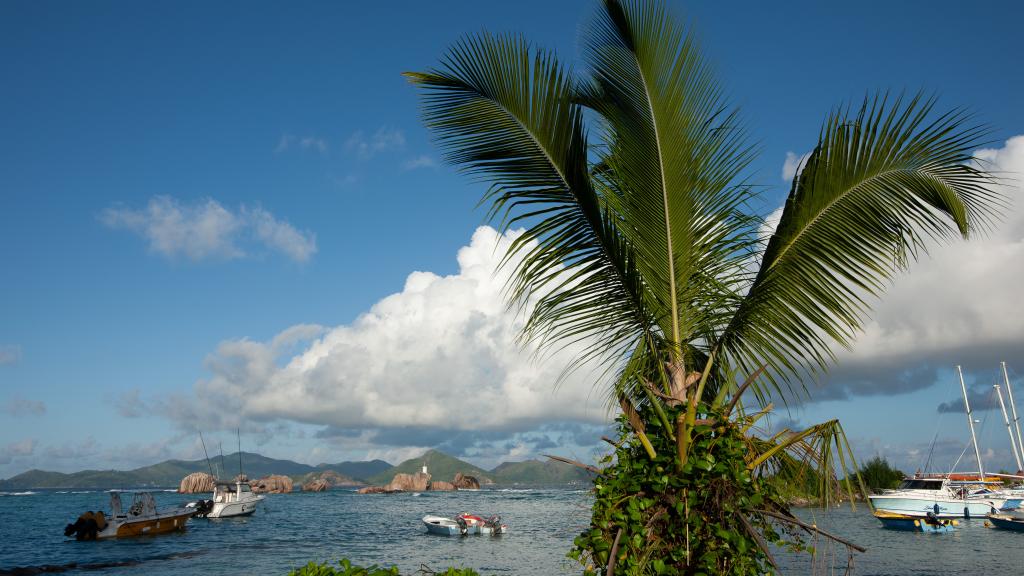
441	486
373	490
464	482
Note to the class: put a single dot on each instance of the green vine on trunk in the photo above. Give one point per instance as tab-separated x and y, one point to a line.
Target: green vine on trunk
706	518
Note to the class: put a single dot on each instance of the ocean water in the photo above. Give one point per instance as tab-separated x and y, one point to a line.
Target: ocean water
292	529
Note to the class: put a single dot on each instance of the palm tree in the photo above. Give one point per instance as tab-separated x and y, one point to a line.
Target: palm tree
641	242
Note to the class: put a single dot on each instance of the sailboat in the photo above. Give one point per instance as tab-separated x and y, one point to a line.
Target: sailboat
946	496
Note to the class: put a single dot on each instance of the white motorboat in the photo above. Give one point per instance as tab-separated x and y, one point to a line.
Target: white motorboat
141	519
940	496
229	499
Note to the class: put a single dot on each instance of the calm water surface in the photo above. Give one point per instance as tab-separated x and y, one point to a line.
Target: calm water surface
292	529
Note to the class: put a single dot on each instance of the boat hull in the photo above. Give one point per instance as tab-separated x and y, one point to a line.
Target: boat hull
914	524
1006	522
941	507
123	527
233	509
446	526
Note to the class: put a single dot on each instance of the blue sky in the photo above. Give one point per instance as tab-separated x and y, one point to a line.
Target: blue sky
197	199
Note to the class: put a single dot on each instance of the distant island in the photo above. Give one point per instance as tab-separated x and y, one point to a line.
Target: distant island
169	473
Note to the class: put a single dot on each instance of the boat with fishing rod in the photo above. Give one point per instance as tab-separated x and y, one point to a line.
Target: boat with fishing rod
229	499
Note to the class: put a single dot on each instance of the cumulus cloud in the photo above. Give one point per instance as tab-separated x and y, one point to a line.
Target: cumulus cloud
16	450
793	164
422	161
440	355
9	354
18	406
365	146
291	141
208	230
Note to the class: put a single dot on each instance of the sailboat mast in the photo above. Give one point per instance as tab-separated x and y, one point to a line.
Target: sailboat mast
1009	430
1013	407
239	433
970	422
208	465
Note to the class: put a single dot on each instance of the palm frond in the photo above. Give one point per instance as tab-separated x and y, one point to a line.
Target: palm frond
505	113
674	149
878	185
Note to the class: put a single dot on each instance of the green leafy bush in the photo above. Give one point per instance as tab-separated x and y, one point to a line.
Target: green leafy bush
702	519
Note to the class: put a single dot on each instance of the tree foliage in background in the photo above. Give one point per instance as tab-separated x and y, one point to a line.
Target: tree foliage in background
878	475
642	244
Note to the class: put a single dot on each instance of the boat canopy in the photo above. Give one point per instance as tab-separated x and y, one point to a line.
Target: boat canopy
921	484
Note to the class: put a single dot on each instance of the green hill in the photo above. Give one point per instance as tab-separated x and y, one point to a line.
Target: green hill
168	474
440	466
538	472
361	471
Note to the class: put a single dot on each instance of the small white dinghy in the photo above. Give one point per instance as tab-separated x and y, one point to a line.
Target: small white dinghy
445	526
465	524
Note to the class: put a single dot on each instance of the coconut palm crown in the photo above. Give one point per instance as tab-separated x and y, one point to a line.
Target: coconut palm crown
641	239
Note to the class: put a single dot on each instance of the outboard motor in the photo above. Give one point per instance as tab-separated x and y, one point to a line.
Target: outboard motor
463	526
203	507
87	526
494	523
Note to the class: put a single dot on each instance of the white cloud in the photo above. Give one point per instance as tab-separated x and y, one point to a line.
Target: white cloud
422	161
16	450
280	236
289	141
208	230
966	293
9	354
366	147
18	406
793	165
440	354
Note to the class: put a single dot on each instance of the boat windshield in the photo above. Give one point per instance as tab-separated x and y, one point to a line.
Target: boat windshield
921	485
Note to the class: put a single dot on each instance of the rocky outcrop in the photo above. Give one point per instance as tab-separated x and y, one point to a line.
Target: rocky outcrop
240	478
316	486
464	482
195	483
372	490
273	484
417	482
441	486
